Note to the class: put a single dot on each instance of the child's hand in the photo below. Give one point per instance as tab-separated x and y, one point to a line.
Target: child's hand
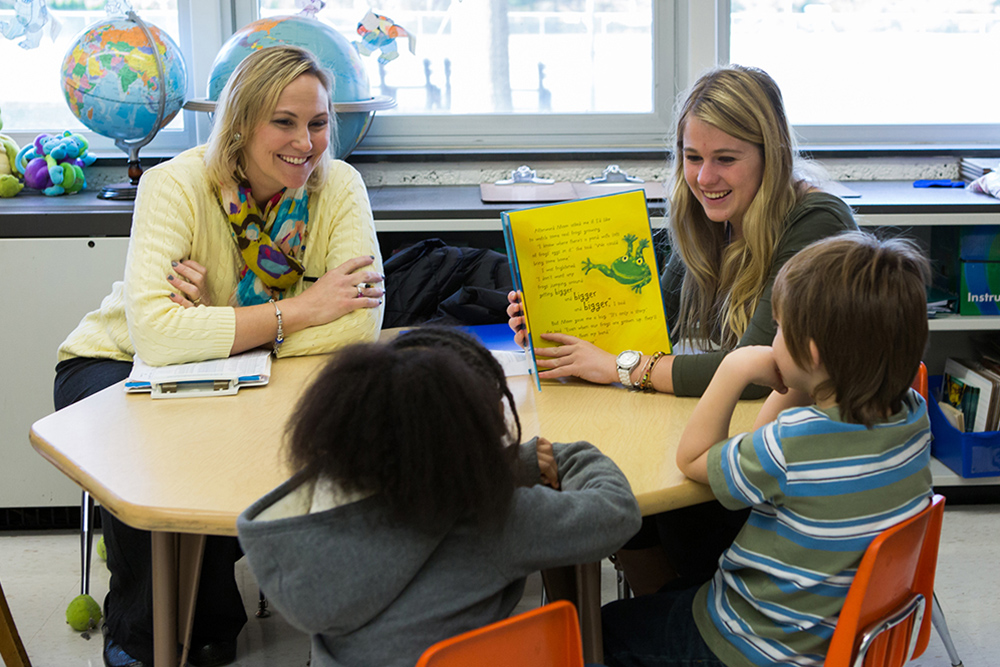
547	463
755	364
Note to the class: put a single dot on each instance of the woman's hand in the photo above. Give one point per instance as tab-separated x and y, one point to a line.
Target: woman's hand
572	358
190	282
341	290
577	358
516	321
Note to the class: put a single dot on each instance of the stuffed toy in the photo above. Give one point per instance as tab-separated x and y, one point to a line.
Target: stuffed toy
30	16
10	184
54	163
379	33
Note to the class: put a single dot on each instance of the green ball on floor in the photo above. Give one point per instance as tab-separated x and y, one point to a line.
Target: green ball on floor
83	613
102	551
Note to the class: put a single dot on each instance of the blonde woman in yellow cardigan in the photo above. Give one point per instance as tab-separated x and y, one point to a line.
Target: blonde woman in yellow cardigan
255	239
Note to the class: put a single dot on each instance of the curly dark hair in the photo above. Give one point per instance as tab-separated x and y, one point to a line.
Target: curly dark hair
420	420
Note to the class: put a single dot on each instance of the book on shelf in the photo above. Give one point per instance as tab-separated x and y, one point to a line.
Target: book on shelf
974	390
587	268
215	377
953	415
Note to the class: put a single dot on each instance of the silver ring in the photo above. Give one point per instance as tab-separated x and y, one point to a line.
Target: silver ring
360	291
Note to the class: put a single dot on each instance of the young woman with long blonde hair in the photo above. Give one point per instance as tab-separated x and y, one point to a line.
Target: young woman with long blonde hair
740	207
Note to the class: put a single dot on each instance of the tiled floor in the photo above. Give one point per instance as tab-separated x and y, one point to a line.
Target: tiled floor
40	575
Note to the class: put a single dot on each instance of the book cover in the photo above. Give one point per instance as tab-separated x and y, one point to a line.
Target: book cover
587	268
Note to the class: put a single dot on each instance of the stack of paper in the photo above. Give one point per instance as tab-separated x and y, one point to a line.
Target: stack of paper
971	168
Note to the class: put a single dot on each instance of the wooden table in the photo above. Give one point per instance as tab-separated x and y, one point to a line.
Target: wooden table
185	468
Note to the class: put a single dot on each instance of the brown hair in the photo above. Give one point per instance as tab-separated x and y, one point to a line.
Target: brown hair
862	301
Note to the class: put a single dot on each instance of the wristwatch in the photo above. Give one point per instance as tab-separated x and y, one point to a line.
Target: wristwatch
627	361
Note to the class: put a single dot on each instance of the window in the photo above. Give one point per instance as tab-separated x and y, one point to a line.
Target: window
527	73
39	104
568	73
589	74
876	71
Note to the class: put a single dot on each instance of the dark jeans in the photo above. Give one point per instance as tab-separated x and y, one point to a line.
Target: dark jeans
656	630
693	538
128	608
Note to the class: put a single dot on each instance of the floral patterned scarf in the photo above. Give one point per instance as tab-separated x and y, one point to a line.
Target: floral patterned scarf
272	242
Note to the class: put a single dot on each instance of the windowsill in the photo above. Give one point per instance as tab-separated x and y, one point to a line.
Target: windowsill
818	152
431	209
602	155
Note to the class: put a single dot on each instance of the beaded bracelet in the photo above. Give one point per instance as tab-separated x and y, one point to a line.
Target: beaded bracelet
637	386
646	383
279	337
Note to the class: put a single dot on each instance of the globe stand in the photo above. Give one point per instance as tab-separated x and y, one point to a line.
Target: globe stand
126	191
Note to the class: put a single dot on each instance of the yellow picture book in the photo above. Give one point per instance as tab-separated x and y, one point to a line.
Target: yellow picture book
587	268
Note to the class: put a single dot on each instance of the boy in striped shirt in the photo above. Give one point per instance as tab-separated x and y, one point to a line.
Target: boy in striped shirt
839	453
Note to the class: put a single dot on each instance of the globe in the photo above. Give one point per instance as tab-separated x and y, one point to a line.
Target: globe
111	81
333	51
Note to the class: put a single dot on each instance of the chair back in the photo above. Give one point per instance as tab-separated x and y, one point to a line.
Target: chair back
886	618
12	651
548	636
920	382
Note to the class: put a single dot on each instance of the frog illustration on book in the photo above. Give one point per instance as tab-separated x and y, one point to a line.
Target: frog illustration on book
630	269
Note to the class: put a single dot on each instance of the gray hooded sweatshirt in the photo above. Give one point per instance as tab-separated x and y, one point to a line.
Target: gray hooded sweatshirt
373	593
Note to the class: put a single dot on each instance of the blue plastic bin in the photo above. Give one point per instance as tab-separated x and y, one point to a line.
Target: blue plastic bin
967	454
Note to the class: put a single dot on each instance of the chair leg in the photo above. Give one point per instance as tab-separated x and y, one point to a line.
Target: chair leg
262	610
86	541
12	651
624	590
941	625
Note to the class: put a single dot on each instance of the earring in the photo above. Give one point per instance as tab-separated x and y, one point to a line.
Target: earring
237	137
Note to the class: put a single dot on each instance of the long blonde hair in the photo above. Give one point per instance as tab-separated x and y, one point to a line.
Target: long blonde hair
724	280
249	99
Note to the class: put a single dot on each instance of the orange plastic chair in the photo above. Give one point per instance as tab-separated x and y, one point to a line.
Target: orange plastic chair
548	636
937	615
886	618
920	382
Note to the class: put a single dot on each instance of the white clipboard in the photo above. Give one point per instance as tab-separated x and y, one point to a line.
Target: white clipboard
216	377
